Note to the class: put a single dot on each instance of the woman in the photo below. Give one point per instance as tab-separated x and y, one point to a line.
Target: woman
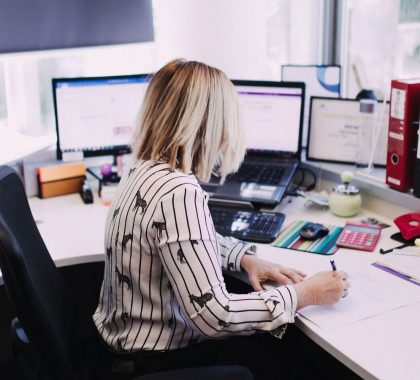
164	296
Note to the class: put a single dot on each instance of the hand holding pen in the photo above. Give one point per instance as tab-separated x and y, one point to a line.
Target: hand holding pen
323	288
344	278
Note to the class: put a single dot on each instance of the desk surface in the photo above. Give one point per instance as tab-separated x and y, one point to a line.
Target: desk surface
384	347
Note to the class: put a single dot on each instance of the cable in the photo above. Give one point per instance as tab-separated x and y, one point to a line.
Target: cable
293	194
302	178
298	184
312	185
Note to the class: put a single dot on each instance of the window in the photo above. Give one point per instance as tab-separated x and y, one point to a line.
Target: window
293	33
382	42
3	108
248	39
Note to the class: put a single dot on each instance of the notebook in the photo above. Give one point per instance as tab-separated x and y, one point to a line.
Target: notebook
272	116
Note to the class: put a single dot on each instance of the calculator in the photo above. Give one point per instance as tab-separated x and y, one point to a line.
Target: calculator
359	236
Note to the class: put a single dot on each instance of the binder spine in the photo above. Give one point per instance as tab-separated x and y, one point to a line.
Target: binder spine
416	183
402	133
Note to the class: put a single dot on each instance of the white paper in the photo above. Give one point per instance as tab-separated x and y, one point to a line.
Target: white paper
407	251
72	156
408	265
398	103
335	123
372	292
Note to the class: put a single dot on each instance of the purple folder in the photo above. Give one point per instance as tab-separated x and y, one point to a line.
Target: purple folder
395	273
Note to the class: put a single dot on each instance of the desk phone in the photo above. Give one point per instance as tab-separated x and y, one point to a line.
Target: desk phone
359	236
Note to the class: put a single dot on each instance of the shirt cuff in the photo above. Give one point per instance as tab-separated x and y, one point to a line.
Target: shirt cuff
281	302
235	256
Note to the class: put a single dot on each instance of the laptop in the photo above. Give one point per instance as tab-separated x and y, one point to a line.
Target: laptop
272	115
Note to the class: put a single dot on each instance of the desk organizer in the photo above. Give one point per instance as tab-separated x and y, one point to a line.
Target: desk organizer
290	238
60	179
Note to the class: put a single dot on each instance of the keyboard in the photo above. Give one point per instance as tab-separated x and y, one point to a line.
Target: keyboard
249	225
262	174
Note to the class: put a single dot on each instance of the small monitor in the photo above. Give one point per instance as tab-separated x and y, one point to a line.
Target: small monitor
97	116
333	131
272	116
320	80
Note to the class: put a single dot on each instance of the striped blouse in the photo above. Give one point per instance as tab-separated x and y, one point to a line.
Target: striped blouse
163	286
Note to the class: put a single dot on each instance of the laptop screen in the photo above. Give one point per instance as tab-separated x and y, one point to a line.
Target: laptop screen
272	113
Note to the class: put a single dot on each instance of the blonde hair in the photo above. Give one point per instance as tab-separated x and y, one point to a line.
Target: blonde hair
190	119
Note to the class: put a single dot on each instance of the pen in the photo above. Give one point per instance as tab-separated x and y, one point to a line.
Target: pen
384	251
334	268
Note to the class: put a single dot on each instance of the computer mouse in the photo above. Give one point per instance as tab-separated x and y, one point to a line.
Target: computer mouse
313	231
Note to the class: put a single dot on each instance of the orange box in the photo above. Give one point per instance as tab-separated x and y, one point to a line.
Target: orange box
60	179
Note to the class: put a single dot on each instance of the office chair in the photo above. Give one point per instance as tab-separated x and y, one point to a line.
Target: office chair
46	339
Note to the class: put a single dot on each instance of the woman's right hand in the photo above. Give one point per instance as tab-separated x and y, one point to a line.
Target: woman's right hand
323	288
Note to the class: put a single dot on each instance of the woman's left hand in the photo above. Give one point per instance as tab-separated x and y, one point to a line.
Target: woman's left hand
260	271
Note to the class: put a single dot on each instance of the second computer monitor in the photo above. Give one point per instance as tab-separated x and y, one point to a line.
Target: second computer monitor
97	115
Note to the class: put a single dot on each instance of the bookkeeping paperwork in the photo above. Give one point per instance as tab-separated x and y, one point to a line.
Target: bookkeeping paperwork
373	292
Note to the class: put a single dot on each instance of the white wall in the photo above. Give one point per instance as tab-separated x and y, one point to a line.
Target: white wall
230	35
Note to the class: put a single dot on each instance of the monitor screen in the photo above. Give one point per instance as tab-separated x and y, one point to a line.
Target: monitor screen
320	80
333	131
97	116
271	113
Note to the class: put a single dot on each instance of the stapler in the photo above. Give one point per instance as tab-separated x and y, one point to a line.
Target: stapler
409	226
86	193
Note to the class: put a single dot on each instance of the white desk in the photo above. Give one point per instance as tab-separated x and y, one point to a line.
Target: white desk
383	347
72	231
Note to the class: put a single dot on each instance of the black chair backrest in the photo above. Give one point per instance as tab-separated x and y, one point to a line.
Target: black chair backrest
35	288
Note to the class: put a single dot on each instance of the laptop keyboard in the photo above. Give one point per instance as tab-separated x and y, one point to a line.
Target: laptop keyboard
262	174
246	225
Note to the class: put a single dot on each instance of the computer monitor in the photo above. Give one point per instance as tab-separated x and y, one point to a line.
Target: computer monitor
97	116
272	116
333	131
320	80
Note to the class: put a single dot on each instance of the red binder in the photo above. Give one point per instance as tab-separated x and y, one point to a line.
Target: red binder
402	133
